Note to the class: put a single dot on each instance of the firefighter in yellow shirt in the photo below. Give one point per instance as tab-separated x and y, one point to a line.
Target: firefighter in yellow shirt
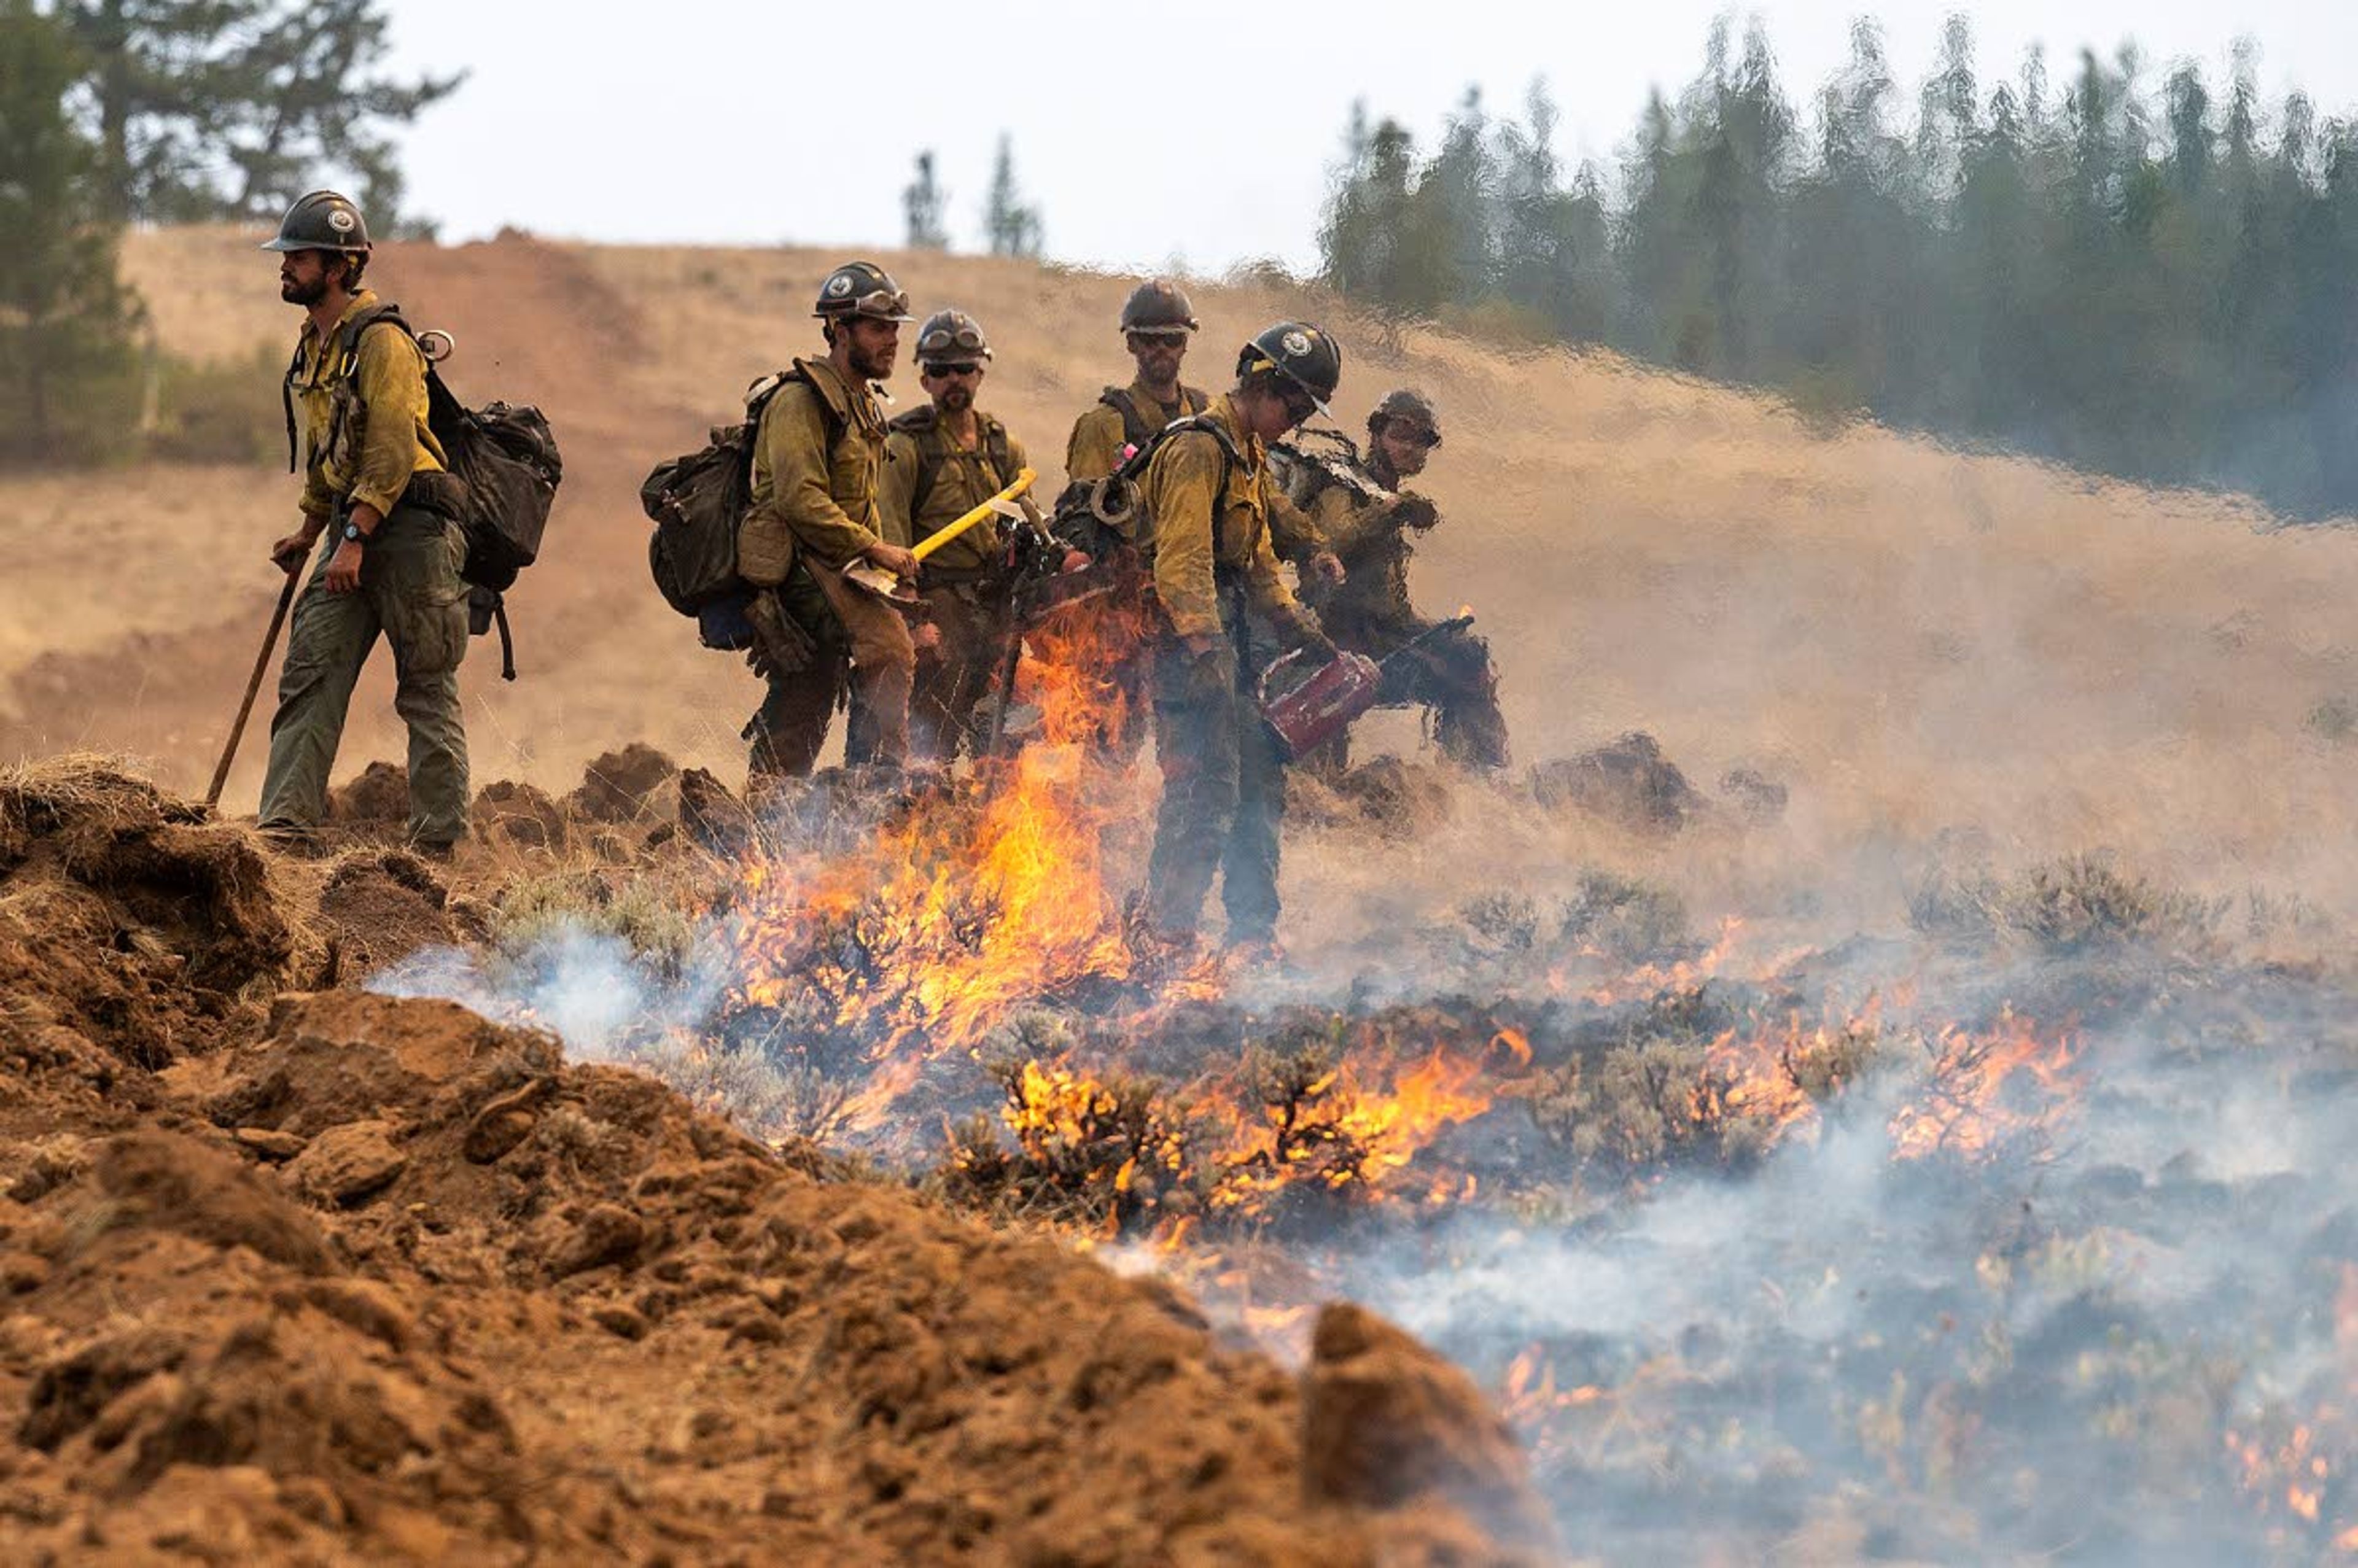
373	483
1155	321
945	460
1210	493
818	461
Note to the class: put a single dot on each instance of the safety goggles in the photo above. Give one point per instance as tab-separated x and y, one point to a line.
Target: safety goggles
885	304
942	340
943	371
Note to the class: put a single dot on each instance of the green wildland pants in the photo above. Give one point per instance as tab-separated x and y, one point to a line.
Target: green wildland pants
410	592
1223	795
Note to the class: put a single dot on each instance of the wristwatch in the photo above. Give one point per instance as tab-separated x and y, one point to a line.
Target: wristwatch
351	532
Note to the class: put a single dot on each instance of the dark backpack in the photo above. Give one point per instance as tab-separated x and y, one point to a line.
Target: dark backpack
506	461
696	502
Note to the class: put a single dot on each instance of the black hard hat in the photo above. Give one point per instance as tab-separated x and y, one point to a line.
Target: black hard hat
1409	405
862	289
1158	305
1305	354
951	337
323	221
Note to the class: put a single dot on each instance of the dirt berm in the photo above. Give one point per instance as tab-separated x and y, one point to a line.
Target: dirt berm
320	1276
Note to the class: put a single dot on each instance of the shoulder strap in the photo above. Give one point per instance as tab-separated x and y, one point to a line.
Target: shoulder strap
346	358
286	398
1195	399
995	447
1135	427
933	454
758	398
341	352
1229	454
923	426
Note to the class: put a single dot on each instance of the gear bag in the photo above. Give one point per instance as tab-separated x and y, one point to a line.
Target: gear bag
1313	460
696	502
1103	518
504	457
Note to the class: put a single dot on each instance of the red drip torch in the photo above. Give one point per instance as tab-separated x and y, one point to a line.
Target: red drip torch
1307	716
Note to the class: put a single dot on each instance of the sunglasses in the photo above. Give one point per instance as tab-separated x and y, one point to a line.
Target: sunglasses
1299	403
945	372
943	339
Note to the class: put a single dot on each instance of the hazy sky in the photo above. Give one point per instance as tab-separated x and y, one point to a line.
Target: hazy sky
1200	133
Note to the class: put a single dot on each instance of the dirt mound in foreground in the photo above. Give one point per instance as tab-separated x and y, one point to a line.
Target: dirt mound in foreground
127	921
349	1278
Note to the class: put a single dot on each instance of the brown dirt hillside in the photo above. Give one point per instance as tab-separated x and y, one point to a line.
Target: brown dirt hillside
1920	644
312	1276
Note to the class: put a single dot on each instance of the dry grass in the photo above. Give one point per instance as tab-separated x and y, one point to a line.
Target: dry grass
2080	904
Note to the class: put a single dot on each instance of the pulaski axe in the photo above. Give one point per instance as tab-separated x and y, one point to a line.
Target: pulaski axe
885	585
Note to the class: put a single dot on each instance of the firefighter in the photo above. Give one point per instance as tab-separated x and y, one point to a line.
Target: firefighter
817	469
944	459
1210	493
1362	514
1157	321
374	486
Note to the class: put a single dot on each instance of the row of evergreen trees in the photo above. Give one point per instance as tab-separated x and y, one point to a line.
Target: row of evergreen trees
2148	277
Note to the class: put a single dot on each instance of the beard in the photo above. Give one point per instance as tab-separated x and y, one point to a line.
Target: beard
957	399
872	364
306	294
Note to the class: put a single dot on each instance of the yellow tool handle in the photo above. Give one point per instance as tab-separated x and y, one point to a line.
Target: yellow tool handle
948	531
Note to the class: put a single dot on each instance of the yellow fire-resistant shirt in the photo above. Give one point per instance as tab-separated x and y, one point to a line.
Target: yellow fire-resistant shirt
363	427
966	480
1095	450
1209	526
823	491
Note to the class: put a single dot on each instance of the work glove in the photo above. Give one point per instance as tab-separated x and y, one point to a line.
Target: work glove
1414	512
1302	636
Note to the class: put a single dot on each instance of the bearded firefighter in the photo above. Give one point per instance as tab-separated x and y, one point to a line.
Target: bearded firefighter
1157	320
1210	493
374	485
818	461
945	460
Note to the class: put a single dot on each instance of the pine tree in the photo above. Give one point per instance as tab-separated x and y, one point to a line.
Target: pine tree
1013	228
65	322
922	202
233	108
